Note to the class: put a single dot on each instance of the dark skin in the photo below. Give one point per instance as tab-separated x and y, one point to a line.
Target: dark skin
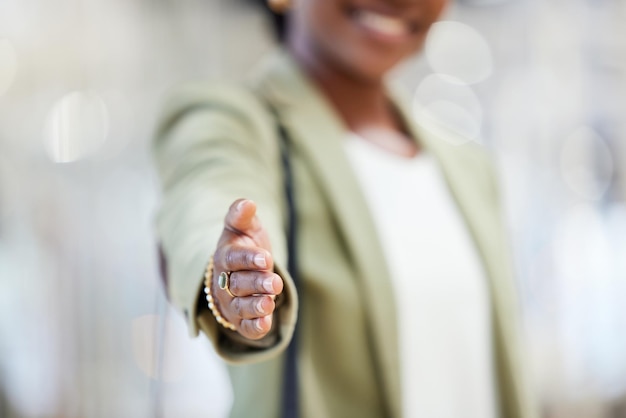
346	47
348	62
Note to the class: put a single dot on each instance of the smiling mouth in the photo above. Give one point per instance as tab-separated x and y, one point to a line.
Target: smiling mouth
383	25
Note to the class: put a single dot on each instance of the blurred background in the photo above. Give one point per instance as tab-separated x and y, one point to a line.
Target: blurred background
84	328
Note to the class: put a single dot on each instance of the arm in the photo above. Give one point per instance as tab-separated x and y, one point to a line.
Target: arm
215	145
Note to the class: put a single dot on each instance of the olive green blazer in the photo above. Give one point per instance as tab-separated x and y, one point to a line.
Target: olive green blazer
217	142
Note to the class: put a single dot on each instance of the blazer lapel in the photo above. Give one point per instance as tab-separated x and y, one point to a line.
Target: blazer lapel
318	133
467	176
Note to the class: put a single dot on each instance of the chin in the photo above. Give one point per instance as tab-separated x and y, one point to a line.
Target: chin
369	64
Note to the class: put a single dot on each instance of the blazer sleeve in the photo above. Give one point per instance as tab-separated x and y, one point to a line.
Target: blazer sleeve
213	145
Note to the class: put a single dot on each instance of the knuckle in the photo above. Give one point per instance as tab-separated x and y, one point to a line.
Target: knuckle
231	257
245	328
235	283
249	259
252	331
237	306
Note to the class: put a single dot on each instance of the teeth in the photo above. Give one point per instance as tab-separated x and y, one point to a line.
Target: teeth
381	23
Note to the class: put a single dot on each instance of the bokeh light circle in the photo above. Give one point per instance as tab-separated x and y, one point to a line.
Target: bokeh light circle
460	51
448	108
76	127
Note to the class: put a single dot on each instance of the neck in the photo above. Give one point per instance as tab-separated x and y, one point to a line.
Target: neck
361	103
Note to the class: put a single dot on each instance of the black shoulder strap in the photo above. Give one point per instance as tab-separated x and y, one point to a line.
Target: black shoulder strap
290	399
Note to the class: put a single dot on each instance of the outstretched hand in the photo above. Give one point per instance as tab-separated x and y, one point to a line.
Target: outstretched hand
244	250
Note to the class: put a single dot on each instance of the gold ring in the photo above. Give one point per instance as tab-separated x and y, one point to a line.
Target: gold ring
208	276
223	281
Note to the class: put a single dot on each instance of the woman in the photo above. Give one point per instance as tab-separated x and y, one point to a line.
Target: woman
405	303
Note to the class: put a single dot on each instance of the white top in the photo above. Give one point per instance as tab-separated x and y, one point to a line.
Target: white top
440	287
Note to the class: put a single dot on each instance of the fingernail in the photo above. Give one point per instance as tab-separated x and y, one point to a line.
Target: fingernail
259	260
258	325
268	285
259	307
240	204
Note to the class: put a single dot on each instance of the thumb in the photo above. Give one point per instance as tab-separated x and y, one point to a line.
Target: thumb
241	219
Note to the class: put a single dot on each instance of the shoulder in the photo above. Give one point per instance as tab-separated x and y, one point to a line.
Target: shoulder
217	105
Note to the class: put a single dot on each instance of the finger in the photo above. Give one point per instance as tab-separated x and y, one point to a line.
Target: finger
242	221
241	218
236	257
257	328
251	307
248	283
